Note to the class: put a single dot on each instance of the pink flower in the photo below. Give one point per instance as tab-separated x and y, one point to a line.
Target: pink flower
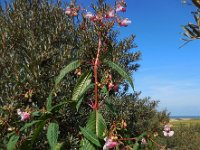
144	141
109	144
24	115
110	86
120	8
168	133
167	130
72	11
68	11
110	14
89	15
124	23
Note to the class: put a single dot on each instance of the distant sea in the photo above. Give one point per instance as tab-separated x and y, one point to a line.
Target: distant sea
179	117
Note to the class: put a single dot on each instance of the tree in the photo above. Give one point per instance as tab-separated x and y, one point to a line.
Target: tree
192	31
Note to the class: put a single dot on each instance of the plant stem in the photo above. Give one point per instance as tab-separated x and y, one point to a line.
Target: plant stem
95	72
96	82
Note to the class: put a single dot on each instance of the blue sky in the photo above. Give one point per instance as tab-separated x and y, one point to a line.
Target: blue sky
167	73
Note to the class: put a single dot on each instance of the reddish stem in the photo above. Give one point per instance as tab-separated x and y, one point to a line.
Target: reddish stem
95	72
126	139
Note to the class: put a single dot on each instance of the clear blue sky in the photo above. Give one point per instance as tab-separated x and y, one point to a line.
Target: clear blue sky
167	73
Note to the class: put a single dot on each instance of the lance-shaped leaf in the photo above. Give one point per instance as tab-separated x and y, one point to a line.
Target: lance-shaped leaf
82	86
52	135
121	71
70	67
27	125
197	3
189	33
86	145
78	104
89	135
12	142
96	123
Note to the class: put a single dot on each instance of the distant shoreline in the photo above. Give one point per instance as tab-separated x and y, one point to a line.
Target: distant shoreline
184	117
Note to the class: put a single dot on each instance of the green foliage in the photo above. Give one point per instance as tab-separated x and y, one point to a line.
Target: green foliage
121	71
12	142
185	137
70	67
86	145
96	123
140	114
82	85
52	135
37	41
89	135
192	31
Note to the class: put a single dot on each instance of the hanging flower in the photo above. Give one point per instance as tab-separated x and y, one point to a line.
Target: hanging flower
144	141
121	8
110	86
109	144
89	15
24	115
110	14
68	11
72	11
167	130
124	22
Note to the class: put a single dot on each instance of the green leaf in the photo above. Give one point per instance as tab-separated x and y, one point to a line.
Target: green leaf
82	86
36	114
136	146
37	132
89	135
86	145
27	125
59	146
121	71
49	101
150	144
111	107
57	107
96	123
81	97
70	67
52	135
139	138
12	142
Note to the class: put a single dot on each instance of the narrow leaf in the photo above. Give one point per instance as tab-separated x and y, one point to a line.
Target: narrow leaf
27	125
82	86
82	95
96	123
70	67
86	145
12	142
52	135
121	71
136	146
89	135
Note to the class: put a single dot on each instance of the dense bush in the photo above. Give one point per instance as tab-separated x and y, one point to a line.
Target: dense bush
37	40
185	138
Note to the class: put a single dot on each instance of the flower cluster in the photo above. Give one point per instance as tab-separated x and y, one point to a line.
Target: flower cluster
24	115
109	144
167	130
111	13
